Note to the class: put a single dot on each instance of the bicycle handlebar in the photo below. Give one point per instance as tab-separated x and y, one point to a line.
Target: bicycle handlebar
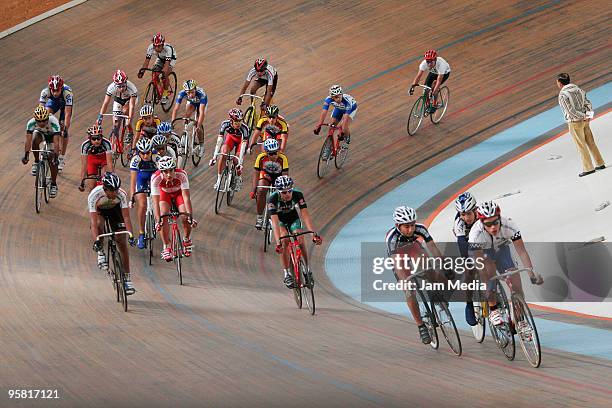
43	151
116	115
331	125
268	187
228	155
252	96
175	214
509	273
115	233
187	120
296	235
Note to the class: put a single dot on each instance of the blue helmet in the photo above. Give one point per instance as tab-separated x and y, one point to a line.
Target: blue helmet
164	127
270	145
465	202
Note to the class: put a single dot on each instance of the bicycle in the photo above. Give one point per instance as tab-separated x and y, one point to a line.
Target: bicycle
523	320
267	223
42	184
150	232
115	267
303	285
155	89
229	183
251	116
176	241
435	313
118	143
423	107
332	149
185	149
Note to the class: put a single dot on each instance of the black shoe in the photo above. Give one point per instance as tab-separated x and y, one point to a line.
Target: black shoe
586	173
603	166
424	333
288	281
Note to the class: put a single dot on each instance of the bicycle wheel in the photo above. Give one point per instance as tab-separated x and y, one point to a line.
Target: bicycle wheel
150	235
172	93
196	159
446	323
481	312
114	145
221	191
249	118
307	287
267	229
47	179
503	335
416	116
528	334
151	95
325	156
443	99
124	150
428	318
39	185
178	251
341	154
183	151
231	185
121	279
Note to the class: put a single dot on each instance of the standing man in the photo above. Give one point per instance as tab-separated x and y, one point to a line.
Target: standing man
577	110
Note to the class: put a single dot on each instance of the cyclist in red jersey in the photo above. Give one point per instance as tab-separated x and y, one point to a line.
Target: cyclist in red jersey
96	156
169	186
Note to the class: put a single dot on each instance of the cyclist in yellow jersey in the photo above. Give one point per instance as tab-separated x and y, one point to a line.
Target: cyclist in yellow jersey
273	118
146	125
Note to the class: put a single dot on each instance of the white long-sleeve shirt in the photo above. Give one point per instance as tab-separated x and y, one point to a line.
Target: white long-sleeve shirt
574	103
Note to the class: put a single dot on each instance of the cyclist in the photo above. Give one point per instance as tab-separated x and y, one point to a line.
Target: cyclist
233	134
165	59
405	235
490	240
165	129
58	96
465	218
142	167
42	125
269	165
262	74
147	124
161	148
197	101
125	97
345	109
286	219
170	186
438	71
96	156
109	201
272	118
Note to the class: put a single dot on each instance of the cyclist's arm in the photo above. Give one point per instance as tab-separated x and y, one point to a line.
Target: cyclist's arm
267	95
244	86
438	83
417	78
146	62
127	220
307	220
201	114
433	249
28	142
519	245
93	219
109	161
105	103
83	166
283	142
131	109
255	178
322	116
254	138
275	227
133	176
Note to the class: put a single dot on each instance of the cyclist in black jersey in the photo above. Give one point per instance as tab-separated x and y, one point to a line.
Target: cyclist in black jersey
286	219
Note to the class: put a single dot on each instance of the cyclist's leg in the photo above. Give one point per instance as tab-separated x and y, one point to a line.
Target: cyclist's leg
347	119
261	194
118	224
503	262
411	302
164	208
37	137
55	141
221	160
180	204
141	203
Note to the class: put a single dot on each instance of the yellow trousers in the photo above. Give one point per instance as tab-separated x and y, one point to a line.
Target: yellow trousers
585	143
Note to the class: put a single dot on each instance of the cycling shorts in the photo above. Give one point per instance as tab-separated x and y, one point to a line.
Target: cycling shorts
93	162
338	113
291	222
114	217
175	197
143	181
232	142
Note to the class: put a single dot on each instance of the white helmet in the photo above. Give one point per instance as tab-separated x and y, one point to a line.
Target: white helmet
335	90
270	145
404	215
144	145
465	202
146	110
488	209
166	163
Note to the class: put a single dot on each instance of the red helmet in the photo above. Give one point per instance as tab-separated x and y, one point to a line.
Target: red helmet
94	130
431	55
488	209
158	39
119	77
56	82
260	64
235	114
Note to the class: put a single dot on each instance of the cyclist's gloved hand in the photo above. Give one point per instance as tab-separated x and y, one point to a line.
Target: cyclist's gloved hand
317	239
158	225
411	91
132	240
239	100
212	162
193	223
141	72
279	248
131	203
82	187
26	158
252	194
97	246
317	130
100	117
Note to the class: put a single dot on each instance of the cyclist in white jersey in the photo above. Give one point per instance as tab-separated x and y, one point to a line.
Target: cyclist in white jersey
262	74
58	96
438	70
490	240
165	60
125	98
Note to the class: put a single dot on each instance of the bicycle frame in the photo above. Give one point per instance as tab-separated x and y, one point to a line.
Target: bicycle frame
118	280
116	136
251	120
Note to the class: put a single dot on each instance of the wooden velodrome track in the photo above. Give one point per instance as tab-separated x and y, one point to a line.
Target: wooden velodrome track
232	335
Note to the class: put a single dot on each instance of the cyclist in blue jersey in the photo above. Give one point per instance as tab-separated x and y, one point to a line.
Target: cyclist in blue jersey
58	96
197	101
345	109
142	167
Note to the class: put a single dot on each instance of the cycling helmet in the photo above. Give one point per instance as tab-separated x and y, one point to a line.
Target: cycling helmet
158	39
283	183
56	82
272	131
270	145
488	209
94	130
335	90
111	181
235	114
190	85
164	127
431	55
159	140
41	113
404	215
166	163
144	145
119	77
260	64
465	202
146	110
272	111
